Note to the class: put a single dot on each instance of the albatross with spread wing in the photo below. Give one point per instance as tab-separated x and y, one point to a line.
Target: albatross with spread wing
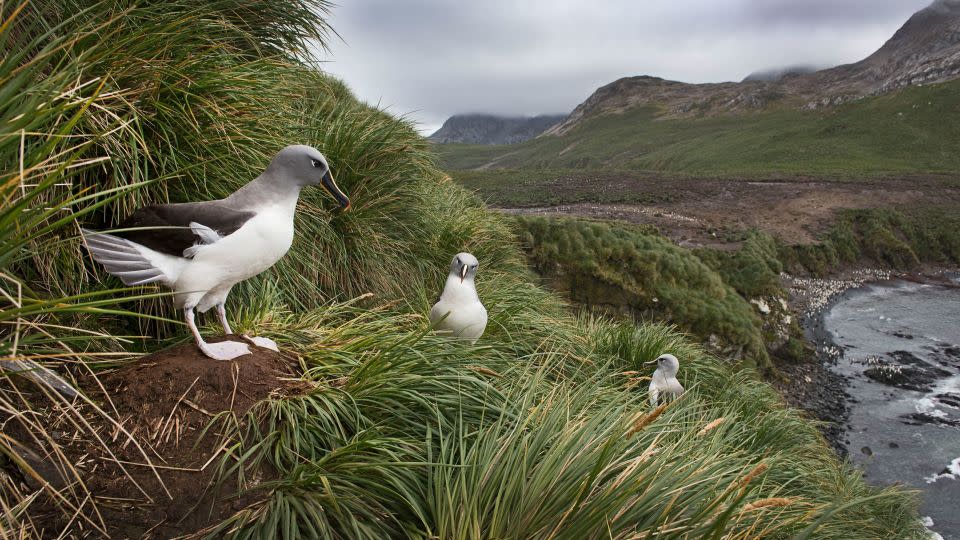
202	249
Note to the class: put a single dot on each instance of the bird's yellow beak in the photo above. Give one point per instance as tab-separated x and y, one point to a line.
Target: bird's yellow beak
330	185
463	273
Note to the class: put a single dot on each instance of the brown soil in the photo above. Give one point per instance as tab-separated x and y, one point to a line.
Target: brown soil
708	212
165	401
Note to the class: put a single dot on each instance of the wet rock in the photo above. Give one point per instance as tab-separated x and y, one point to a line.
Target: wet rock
922	418
819	392
949	399
948	356
904	370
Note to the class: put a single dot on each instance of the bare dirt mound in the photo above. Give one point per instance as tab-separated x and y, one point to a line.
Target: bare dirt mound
165	401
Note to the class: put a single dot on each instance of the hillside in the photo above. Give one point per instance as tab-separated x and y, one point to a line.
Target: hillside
369	424
491	129
913	130
894	111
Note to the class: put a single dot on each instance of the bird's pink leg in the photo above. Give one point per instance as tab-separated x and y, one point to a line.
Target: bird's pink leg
225	350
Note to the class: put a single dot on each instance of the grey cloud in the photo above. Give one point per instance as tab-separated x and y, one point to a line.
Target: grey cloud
434	58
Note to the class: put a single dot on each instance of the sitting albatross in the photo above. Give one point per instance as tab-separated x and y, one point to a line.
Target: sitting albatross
664	382
459	311
202	249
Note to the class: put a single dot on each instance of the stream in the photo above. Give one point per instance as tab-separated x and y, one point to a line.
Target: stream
898	345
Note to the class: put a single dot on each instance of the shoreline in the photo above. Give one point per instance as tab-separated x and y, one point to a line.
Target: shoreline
811	385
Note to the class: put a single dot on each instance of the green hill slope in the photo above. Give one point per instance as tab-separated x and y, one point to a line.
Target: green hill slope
540	430
915	130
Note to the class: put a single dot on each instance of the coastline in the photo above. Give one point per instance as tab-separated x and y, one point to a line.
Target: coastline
811	385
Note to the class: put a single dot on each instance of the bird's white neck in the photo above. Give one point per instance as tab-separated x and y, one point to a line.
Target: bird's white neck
455	290
263	192
662	376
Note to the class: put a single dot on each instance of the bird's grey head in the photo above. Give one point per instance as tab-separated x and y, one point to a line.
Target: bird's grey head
464	266
668	363
299	165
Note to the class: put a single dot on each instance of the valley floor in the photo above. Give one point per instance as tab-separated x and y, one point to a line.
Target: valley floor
709	212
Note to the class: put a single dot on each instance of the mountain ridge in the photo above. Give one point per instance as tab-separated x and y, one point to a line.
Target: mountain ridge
926	49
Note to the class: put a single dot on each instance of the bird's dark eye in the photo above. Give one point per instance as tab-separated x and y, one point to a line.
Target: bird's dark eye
317	163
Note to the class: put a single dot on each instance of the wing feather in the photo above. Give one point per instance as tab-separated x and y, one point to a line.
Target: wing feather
174	228
133	264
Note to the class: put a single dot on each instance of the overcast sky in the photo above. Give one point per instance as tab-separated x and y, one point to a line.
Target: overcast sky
429	59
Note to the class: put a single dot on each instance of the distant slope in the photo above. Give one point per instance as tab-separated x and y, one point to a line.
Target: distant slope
491	129
914	130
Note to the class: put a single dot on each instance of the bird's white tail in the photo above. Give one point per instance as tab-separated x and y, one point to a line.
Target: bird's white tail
133	263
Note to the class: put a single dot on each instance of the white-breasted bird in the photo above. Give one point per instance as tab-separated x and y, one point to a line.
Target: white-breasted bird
459	311
202	249
664	382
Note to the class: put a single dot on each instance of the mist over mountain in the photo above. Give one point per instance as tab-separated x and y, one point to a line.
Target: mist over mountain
492	129
778	73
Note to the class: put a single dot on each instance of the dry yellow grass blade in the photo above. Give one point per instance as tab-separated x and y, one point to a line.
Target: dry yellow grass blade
712	425
646	420
770	502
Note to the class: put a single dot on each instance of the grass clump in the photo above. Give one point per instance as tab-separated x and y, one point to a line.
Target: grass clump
398	432
753	269
898	239
623	269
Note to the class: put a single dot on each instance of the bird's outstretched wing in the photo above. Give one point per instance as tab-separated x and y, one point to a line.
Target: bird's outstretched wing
174	228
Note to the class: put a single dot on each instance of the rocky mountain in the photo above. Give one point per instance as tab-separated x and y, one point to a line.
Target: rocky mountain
924	50
490	129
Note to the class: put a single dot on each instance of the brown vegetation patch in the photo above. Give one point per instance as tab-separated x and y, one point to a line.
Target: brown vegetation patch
711	212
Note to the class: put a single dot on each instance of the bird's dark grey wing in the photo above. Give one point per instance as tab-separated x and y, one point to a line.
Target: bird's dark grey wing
173	241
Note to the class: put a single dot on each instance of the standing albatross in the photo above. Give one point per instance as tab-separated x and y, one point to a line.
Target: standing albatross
664	382
202	249
459	311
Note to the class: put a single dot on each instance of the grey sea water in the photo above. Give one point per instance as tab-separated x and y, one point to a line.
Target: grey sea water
901	354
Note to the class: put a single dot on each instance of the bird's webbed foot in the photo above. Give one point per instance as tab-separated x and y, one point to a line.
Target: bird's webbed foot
266	343
225	350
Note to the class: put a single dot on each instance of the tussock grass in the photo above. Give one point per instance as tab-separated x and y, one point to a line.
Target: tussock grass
619	268
400	433
899	239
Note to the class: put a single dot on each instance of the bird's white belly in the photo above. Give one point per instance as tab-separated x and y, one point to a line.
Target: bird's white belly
466	320
253	248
